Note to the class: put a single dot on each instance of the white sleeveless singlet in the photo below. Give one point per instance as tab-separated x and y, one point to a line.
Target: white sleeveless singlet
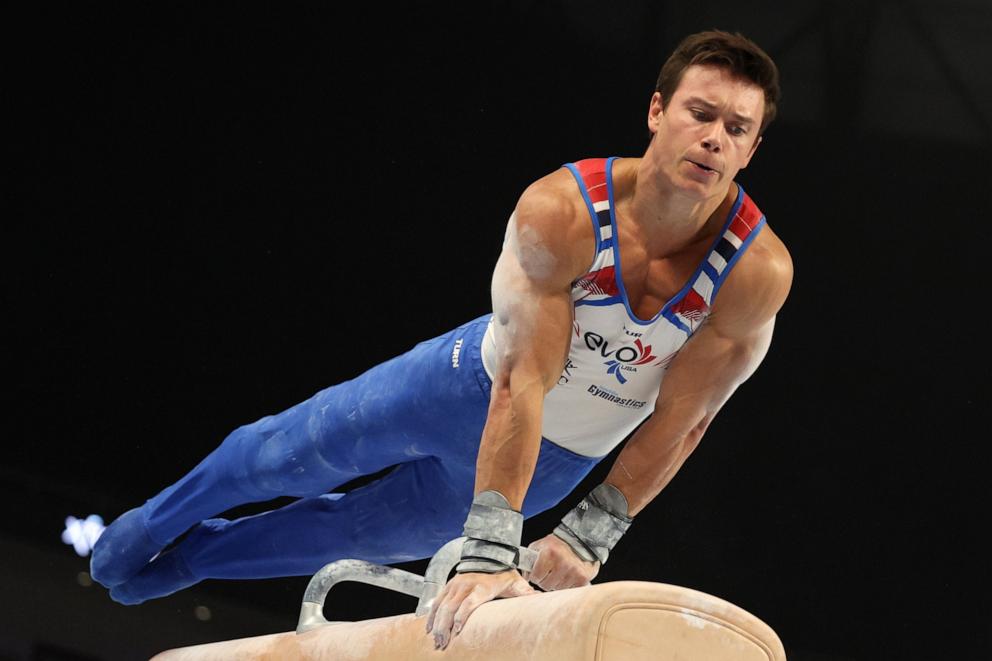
616	361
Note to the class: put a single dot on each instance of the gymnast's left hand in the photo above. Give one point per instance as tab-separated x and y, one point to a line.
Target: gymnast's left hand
558	567
466	592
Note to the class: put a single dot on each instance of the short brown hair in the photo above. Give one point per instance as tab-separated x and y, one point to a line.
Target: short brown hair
735	52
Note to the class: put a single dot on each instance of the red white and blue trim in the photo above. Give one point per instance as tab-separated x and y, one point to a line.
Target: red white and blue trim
603	284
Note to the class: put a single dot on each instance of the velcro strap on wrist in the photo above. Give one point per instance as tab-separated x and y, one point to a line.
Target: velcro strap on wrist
597	523
581	550
492	519
482	556
493	529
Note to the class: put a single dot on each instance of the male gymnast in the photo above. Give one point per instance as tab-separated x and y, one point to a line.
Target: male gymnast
605	316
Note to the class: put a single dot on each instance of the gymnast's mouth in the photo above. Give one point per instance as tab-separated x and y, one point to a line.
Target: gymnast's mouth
702	166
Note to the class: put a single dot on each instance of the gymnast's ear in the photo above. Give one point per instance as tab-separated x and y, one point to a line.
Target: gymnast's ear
655	112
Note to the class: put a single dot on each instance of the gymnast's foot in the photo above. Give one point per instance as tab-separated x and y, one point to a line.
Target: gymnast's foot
166	574
122	550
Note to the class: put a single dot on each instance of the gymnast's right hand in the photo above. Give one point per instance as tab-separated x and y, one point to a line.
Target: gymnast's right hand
466	592
558	567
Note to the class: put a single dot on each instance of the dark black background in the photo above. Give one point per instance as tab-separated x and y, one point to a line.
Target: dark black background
217	211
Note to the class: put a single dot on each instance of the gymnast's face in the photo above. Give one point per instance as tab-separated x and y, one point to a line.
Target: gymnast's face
708	131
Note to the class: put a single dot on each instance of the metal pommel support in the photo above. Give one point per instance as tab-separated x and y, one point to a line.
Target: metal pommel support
426	587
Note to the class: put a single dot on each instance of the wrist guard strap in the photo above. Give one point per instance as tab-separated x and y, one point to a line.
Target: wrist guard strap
596	524
493	529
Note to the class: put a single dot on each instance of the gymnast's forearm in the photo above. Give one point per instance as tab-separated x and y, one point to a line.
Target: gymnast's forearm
531	325
511	439
651	458
703	377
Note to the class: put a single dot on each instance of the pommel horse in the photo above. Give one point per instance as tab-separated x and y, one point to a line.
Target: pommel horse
614	621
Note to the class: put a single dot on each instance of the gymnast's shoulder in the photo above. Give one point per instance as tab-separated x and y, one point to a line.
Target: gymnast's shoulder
759	284
551	215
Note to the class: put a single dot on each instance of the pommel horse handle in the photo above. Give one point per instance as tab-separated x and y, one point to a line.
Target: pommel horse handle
426	587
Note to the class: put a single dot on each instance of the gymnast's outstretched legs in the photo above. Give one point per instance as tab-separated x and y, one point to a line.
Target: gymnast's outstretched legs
406	515
422	413
421	404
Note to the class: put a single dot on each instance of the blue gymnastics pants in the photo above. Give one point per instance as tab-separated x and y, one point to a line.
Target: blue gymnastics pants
422	413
